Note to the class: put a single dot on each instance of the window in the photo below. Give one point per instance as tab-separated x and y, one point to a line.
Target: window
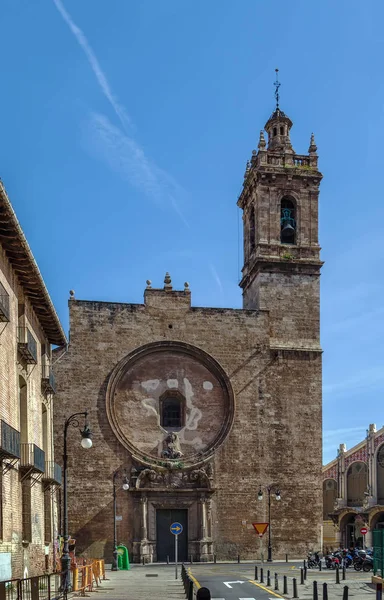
26	510
274	131
281	130
172	410
329	497
356	483
287	222
252	230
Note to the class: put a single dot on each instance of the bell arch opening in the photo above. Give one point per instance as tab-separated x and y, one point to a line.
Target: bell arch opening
287	221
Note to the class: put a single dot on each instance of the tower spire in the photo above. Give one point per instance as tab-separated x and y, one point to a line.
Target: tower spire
277	84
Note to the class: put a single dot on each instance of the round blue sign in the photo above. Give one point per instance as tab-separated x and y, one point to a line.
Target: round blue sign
176	528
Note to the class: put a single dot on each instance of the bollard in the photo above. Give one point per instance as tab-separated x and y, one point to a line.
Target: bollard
167	560
320	565
191	561
238	558
269	578
203	594
143	560
276	582
345	593
261	575
190	589
256	573
337	575
325	591
285	585
301	576
214	558
379	591
286	558
344	573
305	572
304	564
295	595
315	594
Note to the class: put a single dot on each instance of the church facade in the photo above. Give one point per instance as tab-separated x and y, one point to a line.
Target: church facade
203	408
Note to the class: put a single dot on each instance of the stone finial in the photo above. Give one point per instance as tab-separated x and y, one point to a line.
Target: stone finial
312	146
148	282
72	294
247	169
342	448
167	281
186	287
262	144
372	428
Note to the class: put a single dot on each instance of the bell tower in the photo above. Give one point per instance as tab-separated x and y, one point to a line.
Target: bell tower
281	249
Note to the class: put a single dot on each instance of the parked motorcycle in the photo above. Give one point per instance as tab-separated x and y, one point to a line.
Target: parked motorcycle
332	561
313	560
367	563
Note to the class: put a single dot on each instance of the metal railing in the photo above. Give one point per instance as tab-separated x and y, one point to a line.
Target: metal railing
48	381
10	441
52	472
32	457
27	345
4	305
42	587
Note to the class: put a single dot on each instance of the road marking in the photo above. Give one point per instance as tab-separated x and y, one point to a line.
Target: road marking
227	583
266	589
246	599
197	584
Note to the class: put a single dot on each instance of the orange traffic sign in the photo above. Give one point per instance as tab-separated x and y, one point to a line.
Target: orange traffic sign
260	528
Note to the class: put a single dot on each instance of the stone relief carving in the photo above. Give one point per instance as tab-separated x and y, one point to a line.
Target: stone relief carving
170	479
171	447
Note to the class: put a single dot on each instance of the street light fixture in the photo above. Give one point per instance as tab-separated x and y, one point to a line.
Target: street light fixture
125	487
275	489
86	443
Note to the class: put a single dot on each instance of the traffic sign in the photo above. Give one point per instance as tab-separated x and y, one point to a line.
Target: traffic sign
176	528
260	528
363	530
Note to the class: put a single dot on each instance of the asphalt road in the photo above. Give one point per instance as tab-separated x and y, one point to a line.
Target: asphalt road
237	581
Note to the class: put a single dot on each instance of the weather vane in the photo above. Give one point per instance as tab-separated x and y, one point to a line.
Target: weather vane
277	84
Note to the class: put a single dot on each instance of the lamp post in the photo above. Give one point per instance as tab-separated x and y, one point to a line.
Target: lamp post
125	487
86	442
275	489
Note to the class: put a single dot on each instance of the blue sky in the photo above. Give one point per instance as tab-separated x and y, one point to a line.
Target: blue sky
124	132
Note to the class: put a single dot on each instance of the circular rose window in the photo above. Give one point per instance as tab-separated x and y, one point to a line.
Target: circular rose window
170	401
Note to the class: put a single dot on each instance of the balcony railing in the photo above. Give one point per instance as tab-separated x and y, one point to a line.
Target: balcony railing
27	345
48	382
32	458
4	304
10	441
52	472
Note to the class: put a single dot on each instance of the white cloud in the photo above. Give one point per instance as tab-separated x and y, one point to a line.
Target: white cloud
115	146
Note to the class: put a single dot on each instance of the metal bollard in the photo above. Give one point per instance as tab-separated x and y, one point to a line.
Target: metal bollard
315	594
320	565
285	585
345	593
301	576
305	572
191	561
344	573
295	595
143	560
238	558
337	575
214	558
304	564
269	578
256	573
167	560
379	591
261	575
190	590
325	591
276	582
286	558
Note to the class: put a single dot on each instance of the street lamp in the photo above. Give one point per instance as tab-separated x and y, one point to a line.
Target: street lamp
275	489
86	443
125	486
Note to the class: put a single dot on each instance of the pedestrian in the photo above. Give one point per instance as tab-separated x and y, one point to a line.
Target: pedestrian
203	594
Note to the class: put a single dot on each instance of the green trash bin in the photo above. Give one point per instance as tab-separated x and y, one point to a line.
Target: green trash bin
123	558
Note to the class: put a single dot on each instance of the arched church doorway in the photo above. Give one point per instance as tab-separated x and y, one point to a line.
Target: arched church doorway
350	531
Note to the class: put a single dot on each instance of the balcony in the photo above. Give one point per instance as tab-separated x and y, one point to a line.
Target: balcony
27	345
4	305
10	441
52	472
32	458
48	382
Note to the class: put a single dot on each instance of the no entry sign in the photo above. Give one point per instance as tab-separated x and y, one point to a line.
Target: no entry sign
363	530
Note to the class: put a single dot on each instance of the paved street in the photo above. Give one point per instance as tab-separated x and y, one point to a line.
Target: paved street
237	581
